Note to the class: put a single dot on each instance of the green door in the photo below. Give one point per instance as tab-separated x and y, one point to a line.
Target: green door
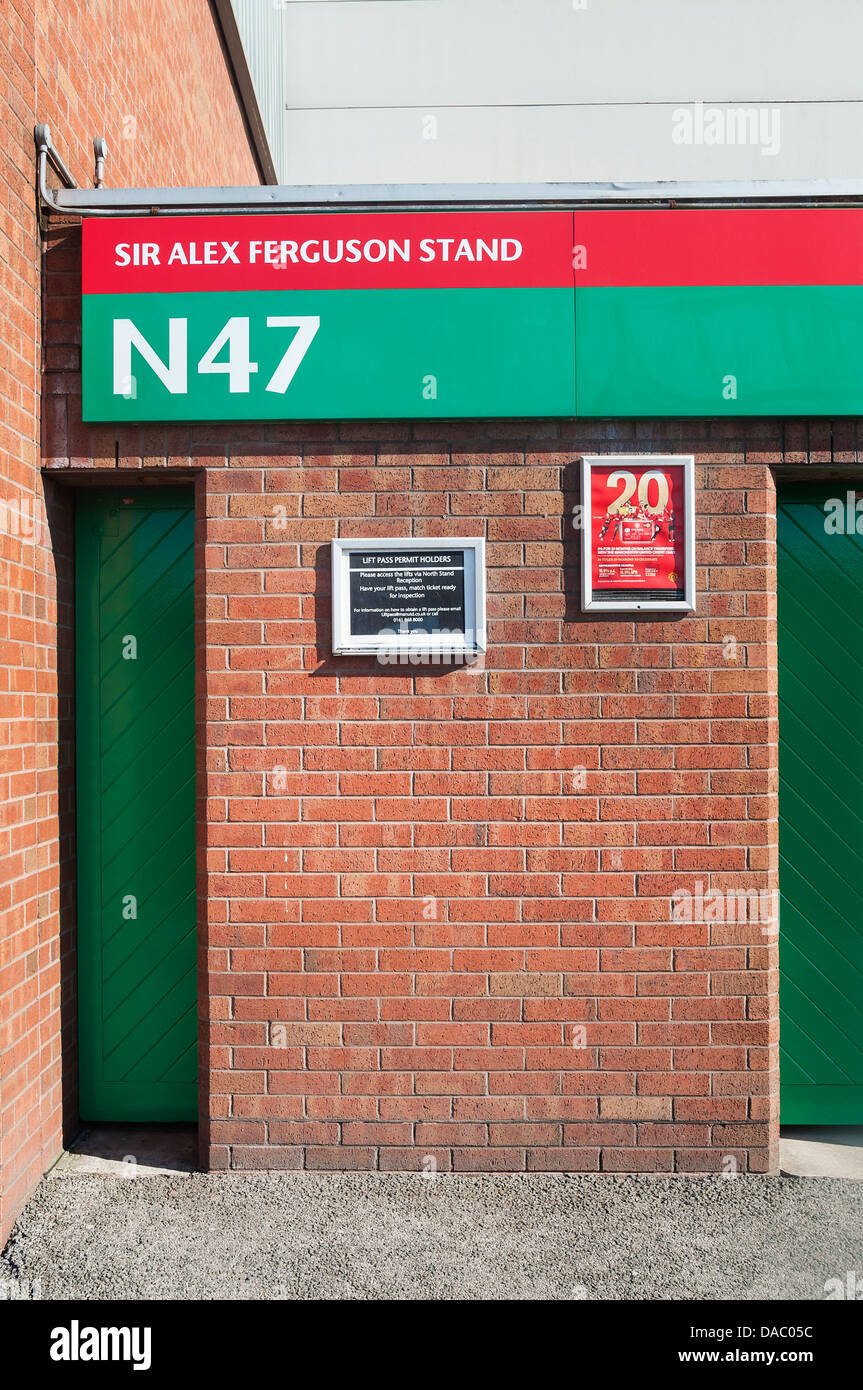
820	595
135	687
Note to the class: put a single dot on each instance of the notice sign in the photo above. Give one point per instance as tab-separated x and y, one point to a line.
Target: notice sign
407	591
638	532
423	597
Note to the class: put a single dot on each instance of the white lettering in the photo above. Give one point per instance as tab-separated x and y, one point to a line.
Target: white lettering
172	375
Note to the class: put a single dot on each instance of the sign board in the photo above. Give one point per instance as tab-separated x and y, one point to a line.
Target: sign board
412	315
719	311
423	598
329	316
638	532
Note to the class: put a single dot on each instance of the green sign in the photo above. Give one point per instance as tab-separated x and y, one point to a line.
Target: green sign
403	315
316	354
489	314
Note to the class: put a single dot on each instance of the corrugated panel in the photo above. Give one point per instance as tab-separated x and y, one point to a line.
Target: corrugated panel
561	144
385	53
554	90
262	29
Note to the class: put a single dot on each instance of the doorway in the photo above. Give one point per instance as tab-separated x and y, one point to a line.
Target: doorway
135	734
820	620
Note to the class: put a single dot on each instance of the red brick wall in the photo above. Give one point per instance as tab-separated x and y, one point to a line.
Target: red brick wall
149	77
409	1033
400	935
429	901
427	904
152	79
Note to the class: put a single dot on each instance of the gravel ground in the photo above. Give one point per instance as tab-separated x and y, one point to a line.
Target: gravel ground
399	1236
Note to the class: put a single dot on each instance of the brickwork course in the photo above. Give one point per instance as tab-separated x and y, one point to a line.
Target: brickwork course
86	69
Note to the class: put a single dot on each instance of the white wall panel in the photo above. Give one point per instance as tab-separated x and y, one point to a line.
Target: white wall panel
545	90
490	52
510	144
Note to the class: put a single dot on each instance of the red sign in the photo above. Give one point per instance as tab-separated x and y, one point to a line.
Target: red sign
329	251
636	526
719	246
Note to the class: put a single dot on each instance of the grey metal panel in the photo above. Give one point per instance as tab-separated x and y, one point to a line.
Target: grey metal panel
569	144
366	53
120	202
262	31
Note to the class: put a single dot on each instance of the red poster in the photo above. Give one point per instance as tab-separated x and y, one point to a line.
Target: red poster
637	526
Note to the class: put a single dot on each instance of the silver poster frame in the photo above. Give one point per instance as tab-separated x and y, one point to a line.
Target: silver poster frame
605	601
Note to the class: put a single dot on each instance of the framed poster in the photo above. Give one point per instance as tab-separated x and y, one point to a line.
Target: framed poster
424	599
638	536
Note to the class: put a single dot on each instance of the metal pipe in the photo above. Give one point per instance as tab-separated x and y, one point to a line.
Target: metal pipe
47	154
100	154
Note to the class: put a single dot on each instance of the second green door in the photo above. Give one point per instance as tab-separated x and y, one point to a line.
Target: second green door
820	596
